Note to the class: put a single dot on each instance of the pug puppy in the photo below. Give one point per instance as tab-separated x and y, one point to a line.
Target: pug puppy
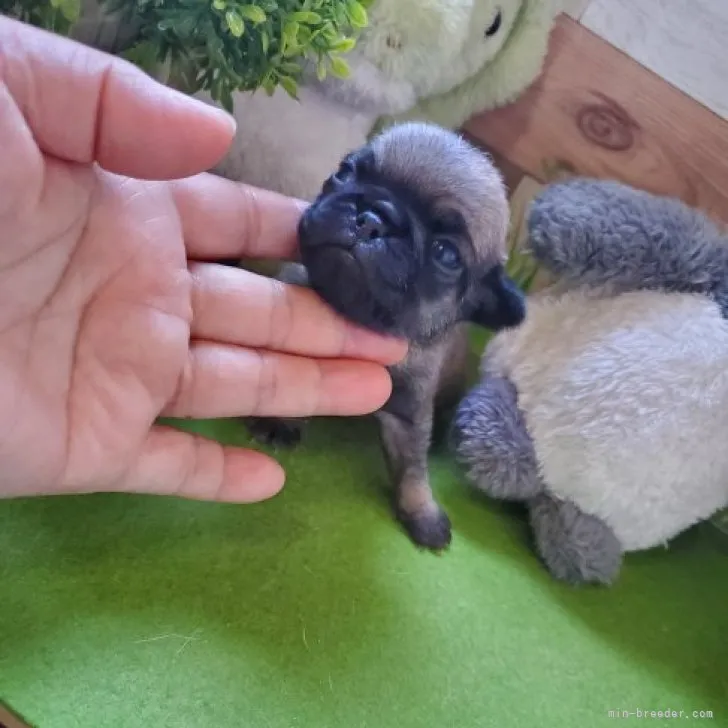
408	238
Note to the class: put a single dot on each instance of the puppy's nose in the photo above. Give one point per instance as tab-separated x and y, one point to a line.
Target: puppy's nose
369	225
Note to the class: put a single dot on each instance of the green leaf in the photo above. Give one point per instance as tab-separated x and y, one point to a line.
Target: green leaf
265	42
290	69
289	85
226	100
329	33
268	84
344	45
357	14
303	38
321	69
290	31
253	13
71	9
307	17
235	23
143	55
339	67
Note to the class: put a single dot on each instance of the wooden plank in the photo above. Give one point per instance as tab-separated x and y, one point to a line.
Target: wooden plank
682	41
594	111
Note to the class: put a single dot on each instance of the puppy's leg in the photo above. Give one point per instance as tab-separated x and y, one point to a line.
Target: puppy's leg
278	431
576	547
452	384
406	432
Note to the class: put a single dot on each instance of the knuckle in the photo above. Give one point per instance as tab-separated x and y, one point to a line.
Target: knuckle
280	325
251	224
183	396
268	385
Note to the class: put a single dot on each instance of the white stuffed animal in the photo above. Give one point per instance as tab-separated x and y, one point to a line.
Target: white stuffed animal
606	411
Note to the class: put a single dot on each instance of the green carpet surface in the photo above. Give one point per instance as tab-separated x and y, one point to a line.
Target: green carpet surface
314	610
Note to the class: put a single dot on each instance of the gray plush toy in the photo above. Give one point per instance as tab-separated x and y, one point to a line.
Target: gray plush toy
606	411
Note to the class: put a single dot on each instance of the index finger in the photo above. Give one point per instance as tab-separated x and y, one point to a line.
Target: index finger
85	106
224	219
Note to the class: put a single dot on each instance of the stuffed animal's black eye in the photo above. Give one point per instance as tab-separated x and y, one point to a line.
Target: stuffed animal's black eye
495	25
446	254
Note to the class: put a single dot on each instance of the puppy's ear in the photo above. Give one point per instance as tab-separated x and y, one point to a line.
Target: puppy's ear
498	303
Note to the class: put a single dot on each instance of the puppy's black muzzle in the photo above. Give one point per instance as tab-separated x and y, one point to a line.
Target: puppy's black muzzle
348	218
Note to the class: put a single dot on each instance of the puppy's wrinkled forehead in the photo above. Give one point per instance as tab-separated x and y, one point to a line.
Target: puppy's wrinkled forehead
448	173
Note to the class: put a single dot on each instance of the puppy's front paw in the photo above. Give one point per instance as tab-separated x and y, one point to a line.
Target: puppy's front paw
280	433
429	528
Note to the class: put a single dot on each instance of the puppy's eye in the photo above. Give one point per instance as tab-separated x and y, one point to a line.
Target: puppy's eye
495	25
446	254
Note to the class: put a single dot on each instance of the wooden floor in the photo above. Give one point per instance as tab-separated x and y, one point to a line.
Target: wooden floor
633	91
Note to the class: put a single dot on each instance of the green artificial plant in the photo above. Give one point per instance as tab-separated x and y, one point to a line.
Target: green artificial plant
221	46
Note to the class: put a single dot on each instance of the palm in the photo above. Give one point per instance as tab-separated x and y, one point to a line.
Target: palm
92	351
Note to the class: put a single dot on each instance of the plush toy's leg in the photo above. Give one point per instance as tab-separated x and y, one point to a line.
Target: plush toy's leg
490	440
604	232
577	548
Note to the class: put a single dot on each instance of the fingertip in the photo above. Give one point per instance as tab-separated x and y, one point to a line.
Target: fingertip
365	344
354	388
396	351
250	477
384	390
182	135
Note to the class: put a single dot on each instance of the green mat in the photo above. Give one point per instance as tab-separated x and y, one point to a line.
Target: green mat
314	610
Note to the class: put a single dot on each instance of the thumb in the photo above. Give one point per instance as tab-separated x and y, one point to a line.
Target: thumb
85	106
172	462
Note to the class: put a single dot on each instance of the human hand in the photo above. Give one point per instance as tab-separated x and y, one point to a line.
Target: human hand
109	318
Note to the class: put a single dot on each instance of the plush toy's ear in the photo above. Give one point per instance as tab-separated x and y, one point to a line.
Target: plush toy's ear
498	303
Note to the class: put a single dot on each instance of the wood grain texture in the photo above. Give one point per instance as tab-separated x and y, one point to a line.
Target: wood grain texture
594	111
682	41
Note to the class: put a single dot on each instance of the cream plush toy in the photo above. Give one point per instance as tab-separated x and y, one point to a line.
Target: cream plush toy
437	60
606	411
